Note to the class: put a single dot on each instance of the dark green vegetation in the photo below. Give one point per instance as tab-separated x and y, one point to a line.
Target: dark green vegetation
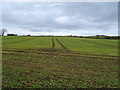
66	62
100	37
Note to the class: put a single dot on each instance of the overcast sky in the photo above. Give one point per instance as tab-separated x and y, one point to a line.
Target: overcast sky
70	18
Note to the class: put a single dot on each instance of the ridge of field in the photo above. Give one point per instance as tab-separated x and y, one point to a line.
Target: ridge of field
93	46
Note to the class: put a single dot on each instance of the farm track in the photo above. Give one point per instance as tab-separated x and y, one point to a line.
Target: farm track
55	51
62	45
66	52
53	43
61	55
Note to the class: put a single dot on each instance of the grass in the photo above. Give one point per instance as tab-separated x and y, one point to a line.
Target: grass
94	46
34	70
21	42
26	70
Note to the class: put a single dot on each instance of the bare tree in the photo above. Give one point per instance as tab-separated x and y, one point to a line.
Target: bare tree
2	31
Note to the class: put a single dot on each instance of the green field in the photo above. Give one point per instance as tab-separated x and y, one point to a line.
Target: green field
59	62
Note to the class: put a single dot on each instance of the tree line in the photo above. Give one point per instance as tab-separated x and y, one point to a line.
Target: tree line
98	37
2	32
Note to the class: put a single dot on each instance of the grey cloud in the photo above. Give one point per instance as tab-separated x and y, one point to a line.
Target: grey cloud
54	17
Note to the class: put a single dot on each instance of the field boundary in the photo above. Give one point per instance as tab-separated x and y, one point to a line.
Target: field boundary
60	55
75	53
70	52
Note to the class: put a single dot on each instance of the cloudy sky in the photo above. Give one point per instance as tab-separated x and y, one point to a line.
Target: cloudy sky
61	18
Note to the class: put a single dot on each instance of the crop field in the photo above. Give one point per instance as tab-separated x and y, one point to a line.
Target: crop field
59	62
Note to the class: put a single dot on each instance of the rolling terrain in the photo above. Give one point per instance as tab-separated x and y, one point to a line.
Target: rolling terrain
68	62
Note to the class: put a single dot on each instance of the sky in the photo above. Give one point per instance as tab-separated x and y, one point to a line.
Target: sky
60	18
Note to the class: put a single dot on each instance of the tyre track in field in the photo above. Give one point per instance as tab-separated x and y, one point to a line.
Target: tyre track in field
76	53
61	45
64	52
54	54
53	43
